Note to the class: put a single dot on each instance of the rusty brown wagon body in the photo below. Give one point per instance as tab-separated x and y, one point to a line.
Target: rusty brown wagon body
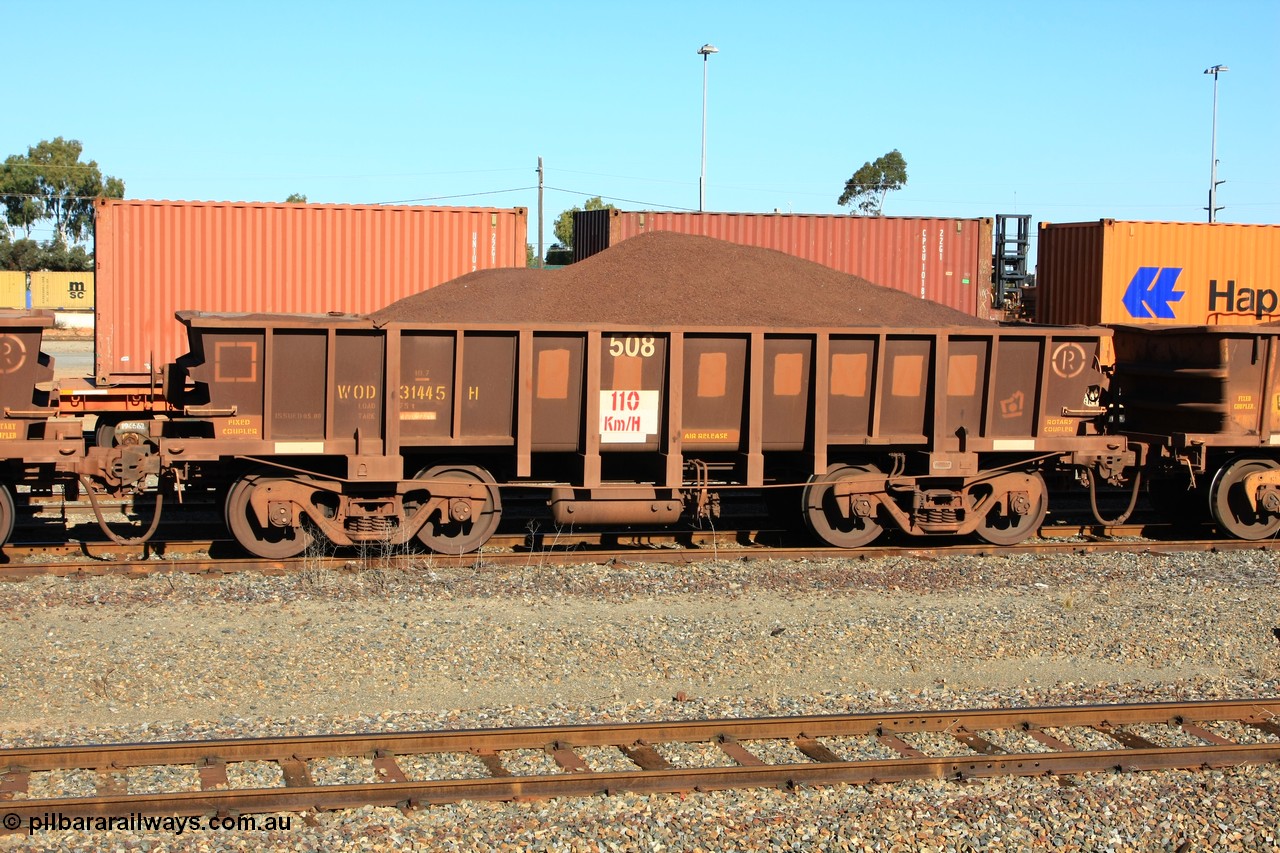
1207	401
34	442
422	429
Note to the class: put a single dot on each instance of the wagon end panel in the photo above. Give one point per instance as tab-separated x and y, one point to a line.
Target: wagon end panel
1216	383
23	368
301	385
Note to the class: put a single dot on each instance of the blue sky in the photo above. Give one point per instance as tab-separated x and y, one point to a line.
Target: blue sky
1066	111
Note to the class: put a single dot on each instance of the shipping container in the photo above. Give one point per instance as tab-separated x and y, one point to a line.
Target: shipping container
13	289
945	260
157	257
1167	273
63	291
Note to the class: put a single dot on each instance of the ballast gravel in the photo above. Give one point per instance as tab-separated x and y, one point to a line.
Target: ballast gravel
455	643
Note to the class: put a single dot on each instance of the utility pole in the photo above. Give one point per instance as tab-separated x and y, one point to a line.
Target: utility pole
1213	146
539	212
705	51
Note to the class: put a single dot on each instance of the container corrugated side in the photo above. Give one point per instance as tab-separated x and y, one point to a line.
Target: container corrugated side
13	289
1169	273
158	257
944	260
65	291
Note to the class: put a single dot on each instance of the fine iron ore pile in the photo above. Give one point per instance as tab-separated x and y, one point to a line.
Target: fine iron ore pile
665	278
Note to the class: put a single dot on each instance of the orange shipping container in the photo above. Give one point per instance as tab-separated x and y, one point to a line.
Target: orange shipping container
158	257
1169	273
944	260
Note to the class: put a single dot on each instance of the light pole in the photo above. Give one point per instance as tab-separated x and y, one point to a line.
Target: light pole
1213	150
705	51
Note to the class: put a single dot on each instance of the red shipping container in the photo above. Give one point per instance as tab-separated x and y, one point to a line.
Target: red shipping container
158	257
945	260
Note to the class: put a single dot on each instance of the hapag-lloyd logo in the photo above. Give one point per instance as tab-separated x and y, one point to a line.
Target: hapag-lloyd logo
1150	292
1153	290
1259	302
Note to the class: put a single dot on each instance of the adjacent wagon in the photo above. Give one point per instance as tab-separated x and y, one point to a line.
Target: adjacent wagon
1206	400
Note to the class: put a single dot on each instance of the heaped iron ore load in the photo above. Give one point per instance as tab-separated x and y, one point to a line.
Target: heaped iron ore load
948	261
1166	273
669	278
158	257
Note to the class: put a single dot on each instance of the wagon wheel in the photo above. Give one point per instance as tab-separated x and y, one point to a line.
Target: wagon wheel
1008	522
1230	506
105	433
270	542
823	516
464	525
7	514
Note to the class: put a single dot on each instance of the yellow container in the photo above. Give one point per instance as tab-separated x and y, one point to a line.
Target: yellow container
13	289
1168	273
64	291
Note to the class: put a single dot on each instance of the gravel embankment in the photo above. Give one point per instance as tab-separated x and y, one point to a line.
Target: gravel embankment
457	645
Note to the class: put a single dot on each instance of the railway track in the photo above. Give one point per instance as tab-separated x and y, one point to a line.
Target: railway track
220	556
415	769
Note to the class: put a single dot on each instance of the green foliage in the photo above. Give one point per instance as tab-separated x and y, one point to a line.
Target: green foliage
530	259
29	256
559	256
57	255
564	222
871	183
50	182
22	254
296	198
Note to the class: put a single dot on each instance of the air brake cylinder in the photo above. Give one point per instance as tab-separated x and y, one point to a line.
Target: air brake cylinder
624	505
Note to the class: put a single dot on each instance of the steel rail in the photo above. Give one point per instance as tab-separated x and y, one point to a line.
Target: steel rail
109	560
654	773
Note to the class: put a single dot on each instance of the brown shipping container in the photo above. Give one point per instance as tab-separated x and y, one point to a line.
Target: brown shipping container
1169	273
157	257
945	260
